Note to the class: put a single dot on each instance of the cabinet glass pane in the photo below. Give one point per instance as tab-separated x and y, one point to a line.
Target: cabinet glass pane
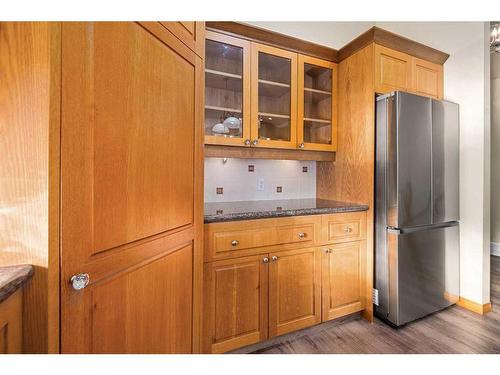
274	97
223	89
317	104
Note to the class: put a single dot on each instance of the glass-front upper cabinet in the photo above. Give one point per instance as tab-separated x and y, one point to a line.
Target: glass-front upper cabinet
274	97
317	114
227	90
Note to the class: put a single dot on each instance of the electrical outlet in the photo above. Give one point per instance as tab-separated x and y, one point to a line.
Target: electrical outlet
260	184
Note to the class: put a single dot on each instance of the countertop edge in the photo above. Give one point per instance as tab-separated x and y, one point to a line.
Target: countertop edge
209	219
20	275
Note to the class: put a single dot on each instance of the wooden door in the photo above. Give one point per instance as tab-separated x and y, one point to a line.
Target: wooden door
131	207
427	78
227	90
235	303
191	33
294	290
392	70
317	104
274	97
343	279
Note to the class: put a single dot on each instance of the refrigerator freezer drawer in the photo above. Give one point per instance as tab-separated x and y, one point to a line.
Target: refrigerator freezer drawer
423	274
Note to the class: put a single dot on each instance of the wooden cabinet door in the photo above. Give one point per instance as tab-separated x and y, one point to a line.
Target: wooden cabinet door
317	104
294	290
191	33
130	204
274	97
427	78
393	70
235	303
343	279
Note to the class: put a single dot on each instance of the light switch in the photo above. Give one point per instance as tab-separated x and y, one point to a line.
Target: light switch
260	184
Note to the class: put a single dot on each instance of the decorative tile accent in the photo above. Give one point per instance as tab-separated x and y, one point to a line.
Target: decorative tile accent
279	189
251	168
241	185
220	190
304	169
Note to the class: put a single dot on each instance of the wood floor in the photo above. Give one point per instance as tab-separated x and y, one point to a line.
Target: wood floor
454	330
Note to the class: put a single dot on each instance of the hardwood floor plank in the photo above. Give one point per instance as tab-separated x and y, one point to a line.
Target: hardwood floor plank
453	330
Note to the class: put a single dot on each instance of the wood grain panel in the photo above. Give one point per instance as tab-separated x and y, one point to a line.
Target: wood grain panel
343	227
132	112
427	78
147	310
350	178
294	290
29	187
393	70
235	300
191	33
343	282
11	324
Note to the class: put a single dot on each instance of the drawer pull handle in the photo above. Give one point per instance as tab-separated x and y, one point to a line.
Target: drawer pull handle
302	235
274	258
348	229
265	260
235	242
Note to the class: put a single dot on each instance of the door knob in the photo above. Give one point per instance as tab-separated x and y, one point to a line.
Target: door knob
348	229
80	281
302	145
247	142
255	142
235	242
265	260
274	258
302	235
328	251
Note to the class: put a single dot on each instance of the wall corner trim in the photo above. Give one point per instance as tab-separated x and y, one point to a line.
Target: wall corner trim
474	306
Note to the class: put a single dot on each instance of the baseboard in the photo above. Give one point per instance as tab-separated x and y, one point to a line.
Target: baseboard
495	248
474	306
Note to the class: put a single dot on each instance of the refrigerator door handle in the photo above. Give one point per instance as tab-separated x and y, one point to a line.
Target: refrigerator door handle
393	230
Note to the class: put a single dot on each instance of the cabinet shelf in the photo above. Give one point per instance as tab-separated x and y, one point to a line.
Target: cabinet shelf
273	89
222	109
222	80
322	92
317	120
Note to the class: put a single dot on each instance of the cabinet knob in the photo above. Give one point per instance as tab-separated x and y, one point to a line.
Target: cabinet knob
302	235
80	281
348	229
265	260
255	142
247	142
274	258
235	242
302	145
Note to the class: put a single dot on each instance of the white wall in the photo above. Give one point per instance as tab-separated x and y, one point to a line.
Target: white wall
495	153
239	184
467	83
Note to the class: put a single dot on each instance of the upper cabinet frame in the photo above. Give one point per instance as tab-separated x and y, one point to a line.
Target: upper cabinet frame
317	121
270	90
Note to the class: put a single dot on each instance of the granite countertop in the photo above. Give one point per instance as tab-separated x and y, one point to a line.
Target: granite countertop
12	278
248	210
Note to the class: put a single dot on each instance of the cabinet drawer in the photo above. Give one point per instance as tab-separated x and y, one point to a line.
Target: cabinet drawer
344	227
230	239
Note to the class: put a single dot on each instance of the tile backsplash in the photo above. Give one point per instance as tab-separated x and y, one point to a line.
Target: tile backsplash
231	180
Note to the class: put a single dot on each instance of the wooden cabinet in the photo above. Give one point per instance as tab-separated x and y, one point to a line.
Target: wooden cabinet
343	279
427	78
294	290
235	303
274	97
396	70
266	97
227	90
317	104
130	188
393	70
191	33
264	278
11	325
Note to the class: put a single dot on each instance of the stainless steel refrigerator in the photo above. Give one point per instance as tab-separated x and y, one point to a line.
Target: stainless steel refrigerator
416	206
